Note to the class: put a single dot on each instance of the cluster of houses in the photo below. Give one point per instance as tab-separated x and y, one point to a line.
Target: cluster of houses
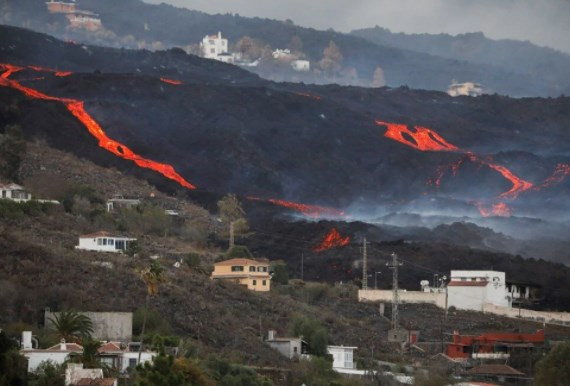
78	18
112	329
217	47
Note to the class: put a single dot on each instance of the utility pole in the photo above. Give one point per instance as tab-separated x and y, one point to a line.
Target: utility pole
302	265
395	293
364	265
231	235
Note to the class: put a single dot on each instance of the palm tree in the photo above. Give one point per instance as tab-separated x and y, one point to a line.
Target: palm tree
152	276
89	357
72	326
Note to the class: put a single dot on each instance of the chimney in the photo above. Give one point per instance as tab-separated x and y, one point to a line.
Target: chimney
271	334
62	345
219	34
26	340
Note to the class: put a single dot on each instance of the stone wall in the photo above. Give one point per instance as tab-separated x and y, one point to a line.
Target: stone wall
116	326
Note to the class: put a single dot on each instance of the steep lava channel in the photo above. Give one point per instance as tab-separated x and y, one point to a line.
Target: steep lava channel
333	239
77	108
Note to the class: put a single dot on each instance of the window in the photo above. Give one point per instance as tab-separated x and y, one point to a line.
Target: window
264	282
111	241
237	268
99	242
132	363
252	269
261	269
255	282
120	244
3	194
211	41
104	241
212	50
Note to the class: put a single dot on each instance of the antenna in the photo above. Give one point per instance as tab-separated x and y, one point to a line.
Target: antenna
395	293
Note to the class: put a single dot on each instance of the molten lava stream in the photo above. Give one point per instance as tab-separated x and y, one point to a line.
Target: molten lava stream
561	171
313	211
77	108
499	209
333	239
171	81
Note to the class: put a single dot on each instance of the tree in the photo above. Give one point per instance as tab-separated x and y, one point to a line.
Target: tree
280	273
231	211
331	63
48	374
72	326
152	276
252	49
378	78
159	372
239	252
312	332
89	357
13	366
12	151
553	370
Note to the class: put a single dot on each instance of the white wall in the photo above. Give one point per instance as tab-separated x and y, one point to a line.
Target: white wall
405	296
106	325
343	357
213	46
37	357
466	298
92	244
145	357
560	318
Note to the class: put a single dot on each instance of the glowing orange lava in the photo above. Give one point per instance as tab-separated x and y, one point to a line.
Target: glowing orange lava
171	81
499	209
424	139
560	173
60	74
77	108
333	239
307	210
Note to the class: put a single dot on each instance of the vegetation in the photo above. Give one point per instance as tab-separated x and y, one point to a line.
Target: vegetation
48	374
318	372
72	326
231	212
13	366
553	370
152	276
280	273
238	252
11	210
312	332
12	152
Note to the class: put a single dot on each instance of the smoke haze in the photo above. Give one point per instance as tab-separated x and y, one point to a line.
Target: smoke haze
546	23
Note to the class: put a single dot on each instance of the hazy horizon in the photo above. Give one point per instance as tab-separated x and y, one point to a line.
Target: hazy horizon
544	23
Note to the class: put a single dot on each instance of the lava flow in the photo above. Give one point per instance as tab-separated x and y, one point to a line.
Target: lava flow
425	139
307	210
333	239
76	107
171	81
499	209
560	173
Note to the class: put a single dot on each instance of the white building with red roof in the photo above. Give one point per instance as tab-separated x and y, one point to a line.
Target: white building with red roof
471	290
103	241
57	354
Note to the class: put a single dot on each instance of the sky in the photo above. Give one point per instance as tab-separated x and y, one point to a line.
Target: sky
543	22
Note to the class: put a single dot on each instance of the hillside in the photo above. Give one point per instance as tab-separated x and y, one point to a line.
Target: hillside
511	55
165	26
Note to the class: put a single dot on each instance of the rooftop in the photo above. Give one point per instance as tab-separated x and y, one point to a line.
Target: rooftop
102	234
96	382
489	369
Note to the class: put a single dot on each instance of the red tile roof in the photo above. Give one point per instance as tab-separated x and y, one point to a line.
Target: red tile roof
242	262
494	370
68	347
467	283
110	347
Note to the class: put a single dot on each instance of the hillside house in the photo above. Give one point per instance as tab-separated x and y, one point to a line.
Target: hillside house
104	242
343	356
252	274
14	192
491	345
84	20
465	89
120	202
216	47
123	357
288	347
471	290
57	354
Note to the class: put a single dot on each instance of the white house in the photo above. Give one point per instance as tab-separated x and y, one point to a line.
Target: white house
471	290
57	354
343	357
465	89
14	192
214	46
301	65
288	347
121	202
104	242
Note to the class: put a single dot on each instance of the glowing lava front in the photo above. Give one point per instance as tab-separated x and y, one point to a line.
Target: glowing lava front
560	173
333	239
171	81
499	209
313	211
77	108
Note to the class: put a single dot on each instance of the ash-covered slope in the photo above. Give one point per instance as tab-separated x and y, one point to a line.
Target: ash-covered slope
222	129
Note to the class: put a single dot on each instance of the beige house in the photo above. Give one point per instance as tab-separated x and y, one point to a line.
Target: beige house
251	273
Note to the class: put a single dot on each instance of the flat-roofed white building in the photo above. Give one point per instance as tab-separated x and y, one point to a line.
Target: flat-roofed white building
214	46
471	290
104	242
